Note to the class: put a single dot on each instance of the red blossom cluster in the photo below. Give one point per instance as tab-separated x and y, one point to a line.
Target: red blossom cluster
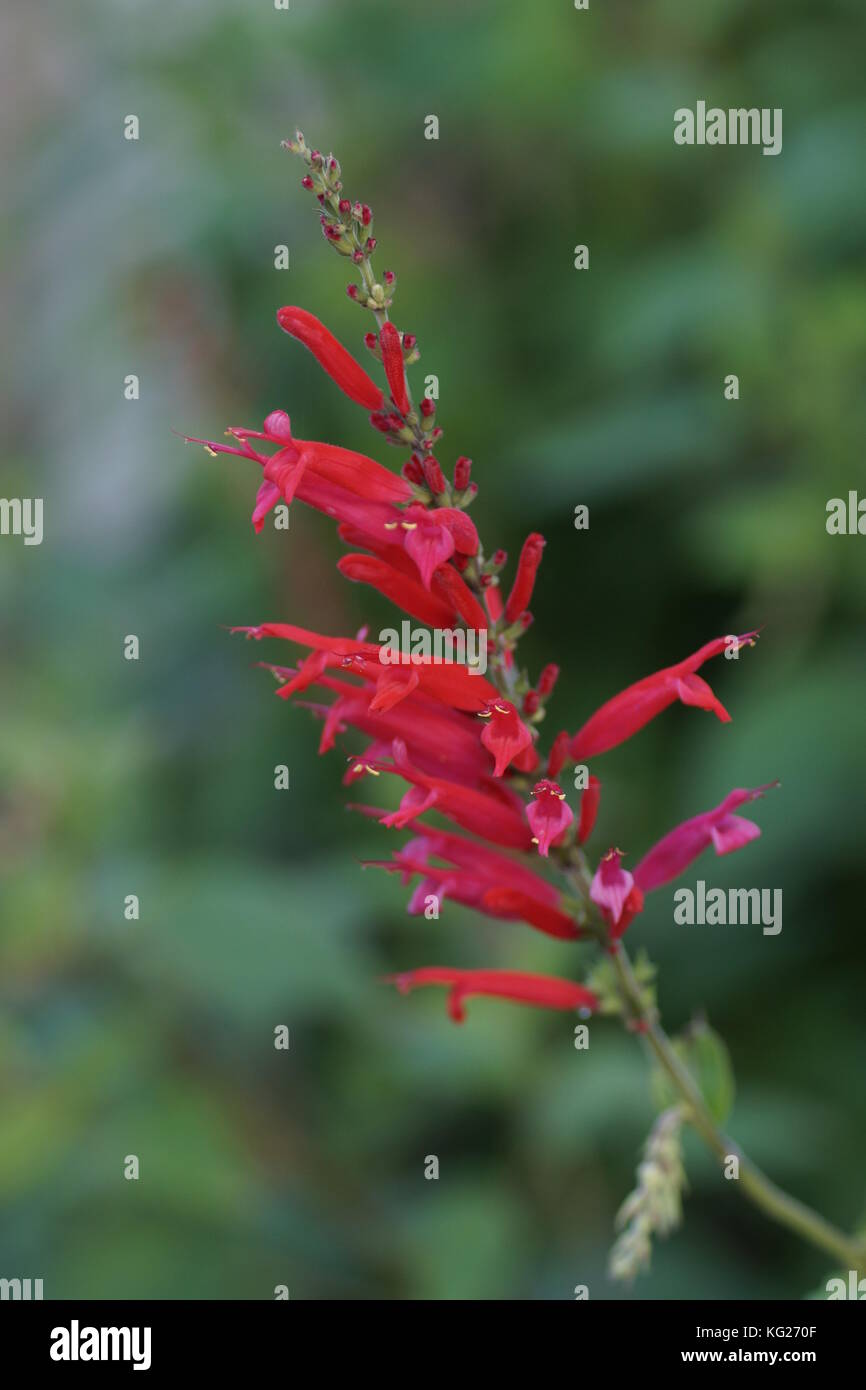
463	745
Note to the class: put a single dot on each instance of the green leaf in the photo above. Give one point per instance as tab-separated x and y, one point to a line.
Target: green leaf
707	1058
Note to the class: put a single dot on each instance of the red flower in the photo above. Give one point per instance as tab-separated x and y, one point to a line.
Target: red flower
491	811
447	681
480	887
331	479
400	588
524	583
613	891
718	827
589	800
431	536
627	712
549	815
330	354
540	990
506	735
392	361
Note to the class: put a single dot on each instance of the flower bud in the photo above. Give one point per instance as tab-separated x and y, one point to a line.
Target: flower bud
462	469
433	475
548	678
412	470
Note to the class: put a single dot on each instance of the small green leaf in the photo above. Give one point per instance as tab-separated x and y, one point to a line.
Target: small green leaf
705	1055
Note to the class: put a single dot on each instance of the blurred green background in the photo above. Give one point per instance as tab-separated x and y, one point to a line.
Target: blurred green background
603	387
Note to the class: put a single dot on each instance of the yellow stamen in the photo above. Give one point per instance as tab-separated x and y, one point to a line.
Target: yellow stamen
209	450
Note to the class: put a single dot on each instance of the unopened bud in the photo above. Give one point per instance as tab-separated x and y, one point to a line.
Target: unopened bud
371	341
433	475
409	341
462	469
548	678
307	182
389	277
352	291
531	702
428	408
370	245
412	470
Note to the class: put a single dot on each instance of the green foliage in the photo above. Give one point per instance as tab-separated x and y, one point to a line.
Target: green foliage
707	1059
599	387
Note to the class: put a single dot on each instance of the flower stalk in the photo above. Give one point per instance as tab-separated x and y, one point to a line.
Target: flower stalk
465	744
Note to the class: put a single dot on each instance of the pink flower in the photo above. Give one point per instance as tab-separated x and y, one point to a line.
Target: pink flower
627	712
549	815
506	735
613	890
719	827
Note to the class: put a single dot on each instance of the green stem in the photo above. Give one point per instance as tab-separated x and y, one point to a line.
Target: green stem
772	1200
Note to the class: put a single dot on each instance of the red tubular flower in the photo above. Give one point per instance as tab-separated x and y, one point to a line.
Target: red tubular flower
634	707
549	815
541	990
496	867
506	735
392	361
718	827
558	756
524	583
406	592
456	592
493	812
324	476
439	741
446	681
330	354
480	892
514	905
589	799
